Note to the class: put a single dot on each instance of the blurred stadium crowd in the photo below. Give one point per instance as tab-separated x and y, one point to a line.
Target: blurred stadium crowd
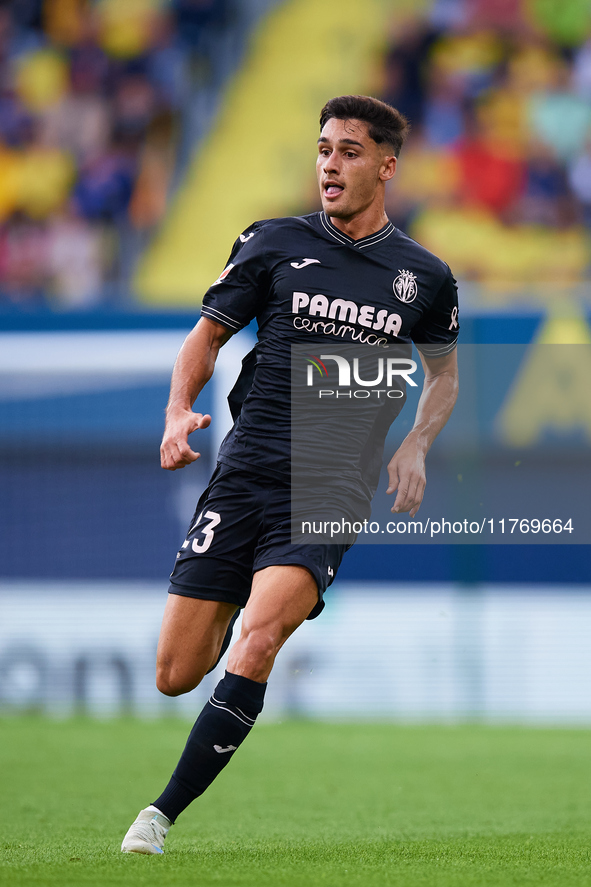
92	99
95	96
497	174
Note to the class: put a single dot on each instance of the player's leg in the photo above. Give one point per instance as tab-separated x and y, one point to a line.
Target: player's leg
281	599
212	577
191	638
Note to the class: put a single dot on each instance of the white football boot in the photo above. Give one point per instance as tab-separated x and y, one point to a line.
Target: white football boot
147	833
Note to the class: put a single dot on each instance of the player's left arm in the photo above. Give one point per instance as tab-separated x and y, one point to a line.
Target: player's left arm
406	469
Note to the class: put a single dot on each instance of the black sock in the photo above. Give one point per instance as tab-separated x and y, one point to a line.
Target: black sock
224	723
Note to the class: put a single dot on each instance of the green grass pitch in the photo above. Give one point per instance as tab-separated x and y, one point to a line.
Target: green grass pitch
302	803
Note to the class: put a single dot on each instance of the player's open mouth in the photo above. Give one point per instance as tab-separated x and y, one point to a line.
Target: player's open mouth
332	189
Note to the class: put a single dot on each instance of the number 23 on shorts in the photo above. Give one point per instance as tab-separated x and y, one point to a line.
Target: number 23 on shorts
201	545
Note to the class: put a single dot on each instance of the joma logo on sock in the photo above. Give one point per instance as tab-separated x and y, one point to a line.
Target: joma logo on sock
221	750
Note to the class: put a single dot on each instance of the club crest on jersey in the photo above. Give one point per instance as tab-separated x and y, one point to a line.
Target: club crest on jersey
224	274
405	286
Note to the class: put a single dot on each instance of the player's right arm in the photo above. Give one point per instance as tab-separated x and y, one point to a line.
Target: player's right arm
193	368
230	304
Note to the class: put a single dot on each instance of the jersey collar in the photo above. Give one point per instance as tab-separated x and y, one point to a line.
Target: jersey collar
363	242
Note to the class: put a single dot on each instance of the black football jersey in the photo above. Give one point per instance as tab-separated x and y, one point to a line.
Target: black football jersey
309	285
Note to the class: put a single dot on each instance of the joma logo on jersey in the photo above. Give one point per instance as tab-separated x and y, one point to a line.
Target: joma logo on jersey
347	311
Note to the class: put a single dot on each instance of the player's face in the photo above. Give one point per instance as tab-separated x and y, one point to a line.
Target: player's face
352	169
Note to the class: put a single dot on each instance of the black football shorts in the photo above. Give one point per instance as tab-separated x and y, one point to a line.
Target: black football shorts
242	524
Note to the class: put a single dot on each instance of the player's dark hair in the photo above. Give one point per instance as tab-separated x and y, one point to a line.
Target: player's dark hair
384	123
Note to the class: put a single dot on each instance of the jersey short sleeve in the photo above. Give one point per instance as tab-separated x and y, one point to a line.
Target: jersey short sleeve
240	291
436	333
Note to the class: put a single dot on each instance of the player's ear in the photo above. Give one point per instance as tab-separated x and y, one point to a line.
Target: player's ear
388	167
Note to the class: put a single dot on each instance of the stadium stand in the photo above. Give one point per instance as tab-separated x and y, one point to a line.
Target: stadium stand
104	109
101	103
496	174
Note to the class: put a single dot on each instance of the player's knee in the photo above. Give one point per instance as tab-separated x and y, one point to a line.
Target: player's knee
167	685
172	682
254	654
262	644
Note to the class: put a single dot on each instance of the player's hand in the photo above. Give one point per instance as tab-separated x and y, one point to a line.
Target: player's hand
175	451
406	472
